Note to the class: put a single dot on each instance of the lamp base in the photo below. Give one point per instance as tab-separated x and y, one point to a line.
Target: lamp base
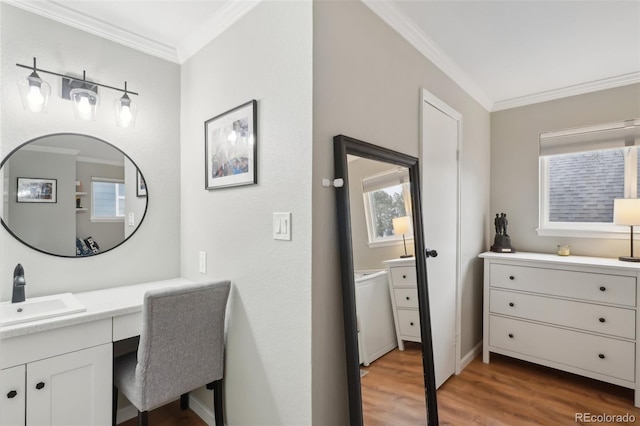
629	259
410	255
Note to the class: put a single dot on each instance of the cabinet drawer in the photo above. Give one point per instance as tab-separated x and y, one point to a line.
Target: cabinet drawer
409	323
597	354
595	287
126	326
611	320
403	276
406	297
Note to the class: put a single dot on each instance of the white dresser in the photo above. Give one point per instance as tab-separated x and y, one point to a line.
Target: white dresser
576	314
404	299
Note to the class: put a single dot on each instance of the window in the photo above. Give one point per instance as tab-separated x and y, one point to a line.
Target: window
107	200
386	196
582	171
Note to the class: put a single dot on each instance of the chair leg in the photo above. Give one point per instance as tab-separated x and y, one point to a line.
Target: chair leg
184	401
143	418
218	402
114	406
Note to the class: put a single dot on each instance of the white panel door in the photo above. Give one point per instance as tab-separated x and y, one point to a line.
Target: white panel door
439	185
72	389
12	396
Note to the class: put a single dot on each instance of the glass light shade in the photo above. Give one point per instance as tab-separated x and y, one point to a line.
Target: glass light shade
126	112
626	211
34	93
85	102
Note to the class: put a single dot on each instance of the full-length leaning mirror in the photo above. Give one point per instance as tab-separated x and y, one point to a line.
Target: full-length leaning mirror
389	353
71	195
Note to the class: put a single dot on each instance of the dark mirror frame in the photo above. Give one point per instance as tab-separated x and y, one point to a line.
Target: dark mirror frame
6	226
342	146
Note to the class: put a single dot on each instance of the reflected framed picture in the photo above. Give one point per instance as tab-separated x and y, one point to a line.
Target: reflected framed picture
230	147
37	190
141	185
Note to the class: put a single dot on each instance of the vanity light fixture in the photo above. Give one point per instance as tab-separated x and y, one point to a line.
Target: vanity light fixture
34	91
626	211
83	94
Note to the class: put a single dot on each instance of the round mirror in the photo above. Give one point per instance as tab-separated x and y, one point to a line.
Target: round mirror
71	195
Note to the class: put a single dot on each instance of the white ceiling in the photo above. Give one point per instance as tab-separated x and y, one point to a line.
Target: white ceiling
504	53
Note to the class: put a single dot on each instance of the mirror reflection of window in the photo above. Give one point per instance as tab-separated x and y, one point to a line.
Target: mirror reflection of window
107	200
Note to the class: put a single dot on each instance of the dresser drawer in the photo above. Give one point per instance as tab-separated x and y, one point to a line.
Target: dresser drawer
595	287
611	320
406	297
597	354
403	276
409	323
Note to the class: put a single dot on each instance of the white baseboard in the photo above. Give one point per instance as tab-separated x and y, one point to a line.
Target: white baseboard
466	360
203	411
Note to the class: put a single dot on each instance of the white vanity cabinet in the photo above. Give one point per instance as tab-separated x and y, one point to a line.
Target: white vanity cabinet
62	376
404	299
576	314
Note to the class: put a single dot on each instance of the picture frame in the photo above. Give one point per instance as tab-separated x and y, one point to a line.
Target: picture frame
37	190
141	185
231	141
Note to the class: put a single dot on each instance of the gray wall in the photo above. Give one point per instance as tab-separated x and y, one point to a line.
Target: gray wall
514	163
48	226
367	83
365	257
154	252
265	56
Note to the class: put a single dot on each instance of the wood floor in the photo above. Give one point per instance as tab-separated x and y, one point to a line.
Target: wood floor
506	392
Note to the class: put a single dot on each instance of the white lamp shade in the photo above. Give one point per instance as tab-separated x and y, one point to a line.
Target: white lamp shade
34	93
401	225
626	211
85	102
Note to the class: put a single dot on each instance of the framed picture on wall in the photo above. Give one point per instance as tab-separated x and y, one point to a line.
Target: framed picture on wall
141	185
231	147
37	190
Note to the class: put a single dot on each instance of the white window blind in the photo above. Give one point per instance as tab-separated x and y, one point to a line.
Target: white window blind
385	180
607	136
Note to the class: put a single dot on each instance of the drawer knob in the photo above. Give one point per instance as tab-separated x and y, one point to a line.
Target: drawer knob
510	335
40	385
601	356
511	277
12	394
511	304
601	319
411	323
603	288
408	298
404	276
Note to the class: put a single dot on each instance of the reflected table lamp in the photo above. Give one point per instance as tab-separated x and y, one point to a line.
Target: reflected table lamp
402	225
626	211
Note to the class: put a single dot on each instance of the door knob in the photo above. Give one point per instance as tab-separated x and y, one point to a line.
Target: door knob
431	253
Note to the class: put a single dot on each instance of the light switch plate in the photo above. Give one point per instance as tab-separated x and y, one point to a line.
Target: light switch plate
282	226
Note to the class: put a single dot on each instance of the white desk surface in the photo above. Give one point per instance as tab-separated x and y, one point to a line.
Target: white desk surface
110	302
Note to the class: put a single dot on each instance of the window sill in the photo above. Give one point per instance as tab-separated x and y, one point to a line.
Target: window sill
107	220
385	243
612	232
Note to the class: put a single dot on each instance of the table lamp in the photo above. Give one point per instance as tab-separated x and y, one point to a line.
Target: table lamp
626	211
402	225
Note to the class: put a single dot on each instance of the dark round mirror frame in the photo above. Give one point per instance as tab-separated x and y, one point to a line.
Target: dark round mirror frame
6	226
343	145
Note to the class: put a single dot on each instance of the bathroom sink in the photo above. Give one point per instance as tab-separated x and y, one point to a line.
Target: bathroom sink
38	308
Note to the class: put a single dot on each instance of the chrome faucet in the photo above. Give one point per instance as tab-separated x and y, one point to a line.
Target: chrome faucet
18	284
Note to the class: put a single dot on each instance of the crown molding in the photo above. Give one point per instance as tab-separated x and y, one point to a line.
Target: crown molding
72	18
578	89
215	25
389	13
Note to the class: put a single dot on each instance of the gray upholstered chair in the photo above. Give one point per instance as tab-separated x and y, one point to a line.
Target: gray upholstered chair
181	349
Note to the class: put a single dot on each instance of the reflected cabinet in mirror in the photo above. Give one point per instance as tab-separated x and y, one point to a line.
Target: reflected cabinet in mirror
389	353
71	195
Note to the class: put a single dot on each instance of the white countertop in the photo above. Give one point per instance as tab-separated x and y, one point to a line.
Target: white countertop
100	304
567	260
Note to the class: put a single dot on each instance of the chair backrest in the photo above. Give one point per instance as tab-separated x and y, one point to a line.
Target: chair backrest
182	340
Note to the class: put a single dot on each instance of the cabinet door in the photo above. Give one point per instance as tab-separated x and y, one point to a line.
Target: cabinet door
72	389
12	396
